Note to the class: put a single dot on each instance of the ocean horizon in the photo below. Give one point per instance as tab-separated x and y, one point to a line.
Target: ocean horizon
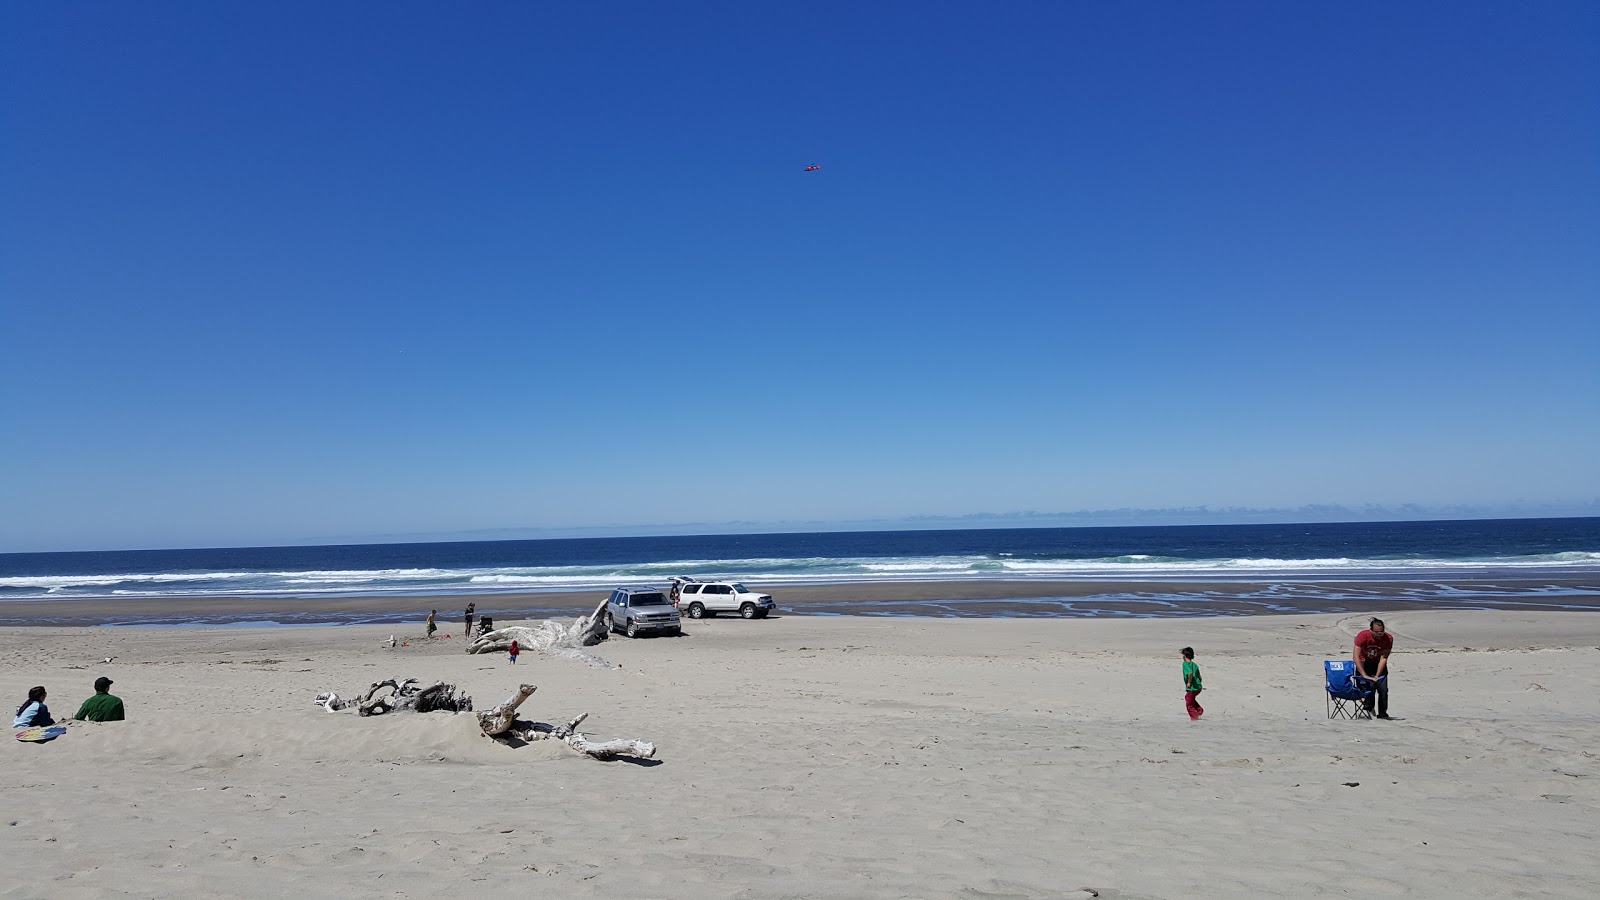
1541	558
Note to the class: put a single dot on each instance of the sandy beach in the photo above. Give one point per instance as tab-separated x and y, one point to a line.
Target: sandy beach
822	757
985	356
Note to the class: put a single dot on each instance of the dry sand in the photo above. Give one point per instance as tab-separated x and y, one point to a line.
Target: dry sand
822	757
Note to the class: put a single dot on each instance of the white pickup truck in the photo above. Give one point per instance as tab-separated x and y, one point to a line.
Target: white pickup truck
700	599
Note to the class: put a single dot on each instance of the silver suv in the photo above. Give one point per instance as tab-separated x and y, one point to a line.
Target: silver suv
639	611
707	598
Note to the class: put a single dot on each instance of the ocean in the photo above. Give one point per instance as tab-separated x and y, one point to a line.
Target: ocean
1534	557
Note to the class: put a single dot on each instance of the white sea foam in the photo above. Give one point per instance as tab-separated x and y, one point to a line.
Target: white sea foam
69	581
365	574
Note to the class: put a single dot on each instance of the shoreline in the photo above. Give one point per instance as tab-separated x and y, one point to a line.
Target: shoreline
935	599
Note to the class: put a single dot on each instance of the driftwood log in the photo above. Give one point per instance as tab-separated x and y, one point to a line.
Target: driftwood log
502	722
501	718
567	638
403	695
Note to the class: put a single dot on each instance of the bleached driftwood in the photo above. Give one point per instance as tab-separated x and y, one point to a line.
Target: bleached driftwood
502	721
580	742
403	696
501	718
567	638
372	704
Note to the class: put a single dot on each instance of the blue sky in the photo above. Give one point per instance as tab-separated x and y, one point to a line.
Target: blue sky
291	272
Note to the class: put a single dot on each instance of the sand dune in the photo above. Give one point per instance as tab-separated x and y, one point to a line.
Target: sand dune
806	757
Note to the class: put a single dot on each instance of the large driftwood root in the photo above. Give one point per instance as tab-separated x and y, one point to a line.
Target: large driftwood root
567	638
501	718
502	722
399	695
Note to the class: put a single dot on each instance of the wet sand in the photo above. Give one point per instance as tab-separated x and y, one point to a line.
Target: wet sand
949	599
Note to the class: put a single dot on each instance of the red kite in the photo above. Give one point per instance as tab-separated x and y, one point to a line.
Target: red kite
813	168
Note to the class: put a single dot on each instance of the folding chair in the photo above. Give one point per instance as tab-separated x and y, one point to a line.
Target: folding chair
1346	697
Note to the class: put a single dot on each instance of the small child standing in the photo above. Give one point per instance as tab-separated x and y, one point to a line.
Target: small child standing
514	650
1191	684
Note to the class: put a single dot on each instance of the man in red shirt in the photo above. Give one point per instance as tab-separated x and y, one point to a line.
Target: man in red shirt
1372	663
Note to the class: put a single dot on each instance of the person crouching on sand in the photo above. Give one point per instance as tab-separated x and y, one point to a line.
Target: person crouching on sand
1191	684
514	651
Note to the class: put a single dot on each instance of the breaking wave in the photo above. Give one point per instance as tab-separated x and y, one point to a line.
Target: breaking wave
988	566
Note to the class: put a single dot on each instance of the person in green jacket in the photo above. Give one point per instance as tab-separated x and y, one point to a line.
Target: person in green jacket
102	707
1191	684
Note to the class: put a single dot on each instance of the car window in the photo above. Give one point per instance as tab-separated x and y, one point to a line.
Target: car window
692	589
721	589
740	589
654	598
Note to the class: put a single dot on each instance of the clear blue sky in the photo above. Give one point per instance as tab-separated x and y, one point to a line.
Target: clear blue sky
299	271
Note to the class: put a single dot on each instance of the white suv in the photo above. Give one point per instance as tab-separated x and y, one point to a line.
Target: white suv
699	599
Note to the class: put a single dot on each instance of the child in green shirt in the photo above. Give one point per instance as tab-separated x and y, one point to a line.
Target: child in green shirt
1191	684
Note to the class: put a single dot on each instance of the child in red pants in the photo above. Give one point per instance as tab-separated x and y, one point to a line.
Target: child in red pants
1191	684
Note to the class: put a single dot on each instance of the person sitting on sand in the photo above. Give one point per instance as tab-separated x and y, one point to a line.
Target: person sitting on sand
33	713
1372	663
103	706
432	627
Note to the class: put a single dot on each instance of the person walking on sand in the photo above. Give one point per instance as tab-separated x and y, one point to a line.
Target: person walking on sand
1371	656
1191	684
514	651
103	706
470	608
33	713
432	627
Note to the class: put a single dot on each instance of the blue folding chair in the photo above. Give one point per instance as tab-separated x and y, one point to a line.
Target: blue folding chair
1347	695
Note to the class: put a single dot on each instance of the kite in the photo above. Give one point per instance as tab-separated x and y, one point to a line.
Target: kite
813	168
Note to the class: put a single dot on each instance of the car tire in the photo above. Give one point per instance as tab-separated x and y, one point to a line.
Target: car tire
748	610
633	629
697	610
611	624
